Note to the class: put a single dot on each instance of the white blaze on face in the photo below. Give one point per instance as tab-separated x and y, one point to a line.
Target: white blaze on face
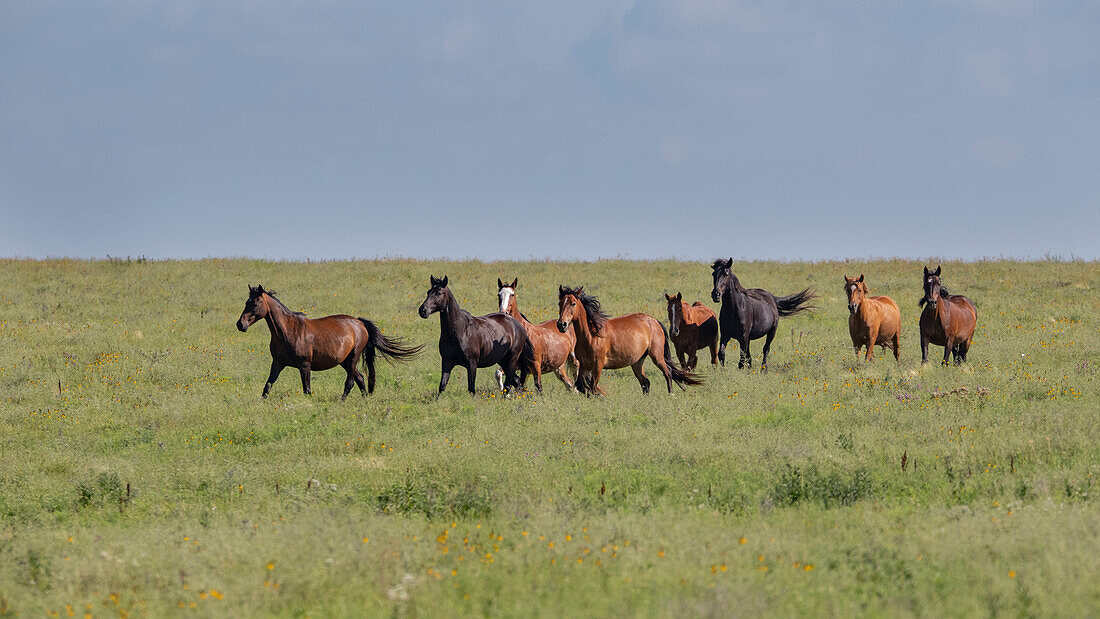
506	295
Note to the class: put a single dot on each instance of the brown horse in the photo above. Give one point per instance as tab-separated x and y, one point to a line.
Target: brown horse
692	328
319	343
948	320
613	343
872	321
552	347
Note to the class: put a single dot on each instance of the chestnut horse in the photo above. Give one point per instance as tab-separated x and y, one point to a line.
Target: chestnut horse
750	313
948	320
872	321
692	328
476	341
613	343
319	343
552	347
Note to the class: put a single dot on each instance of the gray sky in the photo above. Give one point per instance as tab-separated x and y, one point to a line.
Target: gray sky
568	129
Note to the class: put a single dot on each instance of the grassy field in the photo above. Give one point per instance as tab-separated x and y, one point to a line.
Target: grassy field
141	474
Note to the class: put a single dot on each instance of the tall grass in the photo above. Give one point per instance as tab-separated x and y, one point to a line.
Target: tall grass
141	473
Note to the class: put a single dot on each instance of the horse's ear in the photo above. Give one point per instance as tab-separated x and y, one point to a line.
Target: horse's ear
860	278
433	281
679	296
939	269
443	282
514	282
927	272
260	289
848	280
667	298
561	291
500	284
729	263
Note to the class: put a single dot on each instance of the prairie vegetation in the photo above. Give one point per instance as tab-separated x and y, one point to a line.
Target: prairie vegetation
140	473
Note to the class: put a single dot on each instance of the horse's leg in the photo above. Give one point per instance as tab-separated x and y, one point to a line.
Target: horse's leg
594	386
923	348
500	378
560	373
897	351
767	348
714	352
963	349
304	371
948	347
446	375
872	337
350	380
639	373
743	351
722	351
276	368
471	376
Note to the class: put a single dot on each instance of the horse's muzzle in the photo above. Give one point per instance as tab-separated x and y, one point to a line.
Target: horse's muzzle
562	326
673	331
423	312
853	308
241	326
714	296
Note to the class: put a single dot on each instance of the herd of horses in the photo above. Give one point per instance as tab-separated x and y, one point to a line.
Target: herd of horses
585	337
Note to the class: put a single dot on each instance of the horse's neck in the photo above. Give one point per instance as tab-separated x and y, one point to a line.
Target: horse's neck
281	323
585	337
732	294
513	311
451	317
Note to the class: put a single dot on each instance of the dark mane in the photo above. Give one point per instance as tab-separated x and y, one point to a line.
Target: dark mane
271	295
596	318
718	263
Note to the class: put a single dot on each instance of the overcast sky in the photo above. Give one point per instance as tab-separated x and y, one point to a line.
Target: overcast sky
567	129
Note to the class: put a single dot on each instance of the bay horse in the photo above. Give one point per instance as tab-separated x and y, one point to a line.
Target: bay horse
692	328
613	343
320	343
750	314
552	348
872	321
477	341
948	320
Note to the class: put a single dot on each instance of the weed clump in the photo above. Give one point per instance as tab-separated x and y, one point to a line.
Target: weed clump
797	484
435	500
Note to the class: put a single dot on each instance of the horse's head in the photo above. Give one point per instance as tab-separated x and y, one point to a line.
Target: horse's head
506	294
856	291
255	308
932	288
675	312
568	306
436	298
723	277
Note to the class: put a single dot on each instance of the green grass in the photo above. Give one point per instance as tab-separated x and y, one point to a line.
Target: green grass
141	473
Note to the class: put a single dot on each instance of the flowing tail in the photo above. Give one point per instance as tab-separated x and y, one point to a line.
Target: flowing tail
392	348
795	303
679	375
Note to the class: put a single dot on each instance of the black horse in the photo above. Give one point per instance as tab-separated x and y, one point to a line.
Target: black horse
750	314
477	341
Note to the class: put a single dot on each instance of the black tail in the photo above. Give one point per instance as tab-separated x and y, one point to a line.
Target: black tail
392	348
679	375
795	303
